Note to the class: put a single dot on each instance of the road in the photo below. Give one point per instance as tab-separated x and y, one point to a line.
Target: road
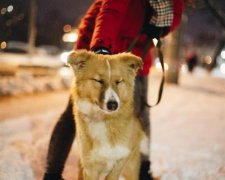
188	131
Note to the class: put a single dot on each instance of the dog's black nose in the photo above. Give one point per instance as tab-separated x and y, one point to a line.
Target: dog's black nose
112	105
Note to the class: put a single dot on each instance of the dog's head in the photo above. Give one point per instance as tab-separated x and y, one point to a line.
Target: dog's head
104	81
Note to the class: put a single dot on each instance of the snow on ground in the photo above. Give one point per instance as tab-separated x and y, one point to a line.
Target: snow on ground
26	124
21	139
188	132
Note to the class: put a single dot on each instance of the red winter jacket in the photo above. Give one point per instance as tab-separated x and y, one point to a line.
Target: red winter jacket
113	24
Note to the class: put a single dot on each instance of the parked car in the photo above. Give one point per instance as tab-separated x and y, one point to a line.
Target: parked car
17	53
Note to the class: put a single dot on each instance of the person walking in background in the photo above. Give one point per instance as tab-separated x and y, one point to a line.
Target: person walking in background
109	27
191	58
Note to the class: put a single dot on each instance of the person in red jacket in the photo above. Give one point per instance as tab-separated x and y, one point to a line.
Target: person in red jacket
109	27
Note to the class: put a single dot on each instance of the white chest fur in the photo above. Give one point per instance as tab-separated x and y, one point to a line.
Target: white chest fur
104	150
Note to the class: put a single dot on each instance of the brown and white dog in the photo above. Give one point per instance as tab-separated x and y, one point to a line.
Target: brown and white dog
109	135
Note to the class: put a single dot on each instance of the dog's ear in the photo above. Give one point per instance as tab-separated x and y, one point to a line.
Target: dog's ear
134	62
78	59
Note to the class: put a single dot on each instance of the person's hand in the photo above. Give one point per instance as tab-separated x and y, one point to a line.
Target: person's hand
155	32
101	50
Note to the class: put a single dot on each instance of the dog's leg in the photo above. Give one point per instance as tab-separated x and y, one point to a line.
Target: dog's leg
80	173
91	174
92	171
116	171
132	168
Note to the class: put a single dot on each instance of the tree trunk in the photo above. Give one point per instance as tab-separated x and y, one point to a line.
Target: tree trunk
172	55
32	26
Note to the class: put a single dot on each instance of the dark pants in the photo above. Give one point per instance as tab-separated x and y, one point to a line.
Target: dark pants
65	129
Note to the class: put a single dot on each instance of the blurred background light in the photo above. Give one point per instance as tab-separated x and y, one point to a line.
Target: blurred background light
3	11
10	8
70	37
64	56
208	59
3	45
184	68
158	64
155	41
67	28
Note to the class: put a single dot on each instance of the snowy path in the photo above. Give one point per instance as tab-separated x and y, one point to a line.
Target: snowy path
25	132
188	132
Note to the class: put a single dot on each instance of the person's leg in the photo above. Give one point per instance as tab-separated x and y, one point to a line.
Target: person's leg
143	113
60	144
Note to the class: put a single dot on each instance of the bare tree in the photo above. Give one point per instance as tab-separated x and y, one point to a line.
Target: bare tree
32	26
172	55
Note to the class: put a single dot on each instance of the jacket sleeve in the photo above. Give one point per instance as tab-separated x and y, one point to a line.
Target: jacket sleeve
178	8
108	23
86	26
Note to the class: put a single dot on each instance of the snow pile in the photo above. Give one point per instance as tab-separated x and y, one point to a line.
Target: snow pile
27	84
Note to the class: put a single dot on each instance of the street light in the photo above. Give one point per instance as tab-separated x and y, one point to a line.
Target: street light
70	37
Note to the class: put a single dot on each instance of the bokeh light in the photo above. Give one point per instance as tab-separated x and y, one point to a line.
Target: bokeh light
10	8
67	28
70	37
3	45
3	11
64	57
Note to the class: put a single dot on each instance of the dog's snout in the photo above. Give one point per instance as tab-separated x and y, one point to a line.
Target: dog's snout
112	105
111	100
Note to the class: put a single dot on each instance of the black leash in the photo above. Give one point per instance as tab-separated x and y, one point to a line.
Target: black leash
160	54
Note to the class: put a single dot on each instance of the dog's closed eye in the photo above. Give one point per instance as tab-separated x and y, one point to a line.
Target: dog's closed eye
100	81
119	81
